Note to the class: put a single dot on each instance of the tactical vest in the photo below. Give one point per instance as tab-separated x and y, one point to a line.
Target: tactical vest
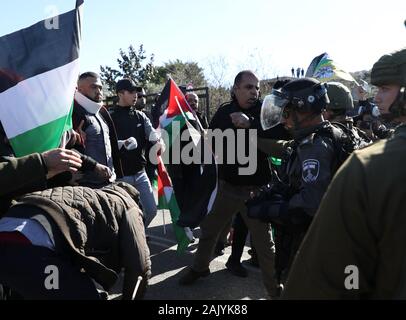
345	141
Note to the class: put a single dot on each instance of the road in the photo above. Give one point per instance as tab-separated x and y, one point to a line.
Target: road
168	267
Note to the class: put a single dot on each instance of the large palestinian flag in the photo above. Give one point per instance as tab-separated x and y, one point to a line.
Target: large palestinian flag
39	67
197	189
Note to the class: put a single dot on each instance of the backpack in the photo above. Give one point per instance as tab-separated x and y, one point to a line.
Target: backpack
345	141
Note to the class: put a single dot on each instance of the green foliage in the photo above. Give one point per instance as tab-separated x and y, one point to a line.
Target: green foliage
134	65
184	73
138	66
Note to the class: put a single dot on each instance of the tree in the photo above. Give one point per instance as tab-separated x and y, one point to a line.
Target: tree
218	72
184	73
134	65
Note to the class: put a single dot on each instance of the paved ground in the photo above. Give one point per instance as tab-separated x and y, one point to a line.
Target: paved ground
168	266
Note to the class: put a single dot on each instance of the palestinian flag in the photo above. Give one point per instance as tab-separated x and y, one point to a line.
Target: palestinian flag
175	107
197	189
325	69
167	200
39	67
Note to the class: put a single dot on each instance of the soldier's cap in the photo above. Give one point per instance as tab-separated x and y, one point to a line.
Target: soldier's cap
126	84
390	69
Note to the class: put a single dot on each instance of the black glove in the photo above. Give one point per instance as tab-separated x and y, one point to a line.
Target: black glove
269	210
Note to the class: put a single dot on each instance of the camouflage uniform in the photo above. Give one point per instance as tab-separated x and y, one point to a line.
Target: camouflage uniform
355	246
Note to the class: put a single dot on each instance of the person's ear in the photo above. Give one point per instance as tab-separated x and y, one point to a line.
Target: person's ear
233	91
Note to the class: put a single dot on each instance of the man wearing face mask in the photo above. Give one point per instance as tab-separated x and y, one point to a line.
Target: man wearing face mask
355	246
309	164
96	128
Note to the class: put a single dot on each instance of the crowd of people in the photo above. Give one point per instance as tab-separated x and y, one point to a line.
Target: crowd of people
332	200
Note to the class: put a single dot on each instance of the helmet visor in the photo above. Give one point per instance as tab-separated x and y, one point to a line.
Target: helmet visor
272	109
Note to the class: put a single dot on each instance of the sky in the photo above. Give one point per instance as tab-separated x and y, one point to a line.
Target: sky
267	36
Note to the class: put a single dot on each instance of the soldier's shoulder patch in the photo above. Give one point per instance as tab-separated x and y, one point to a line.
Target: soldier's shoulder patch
310	170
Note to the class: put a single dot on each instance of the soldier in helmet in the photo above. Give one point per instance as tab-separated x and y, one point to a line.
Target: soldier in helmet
341	102
355	248
337	111
310	163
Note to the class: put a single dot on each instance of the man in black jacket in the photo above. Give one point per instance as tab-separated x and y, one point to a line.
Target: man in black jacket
237	180
134	131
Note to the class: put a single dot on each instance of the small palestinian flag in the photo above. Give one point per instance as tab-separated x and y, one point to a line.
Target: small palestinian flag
167	200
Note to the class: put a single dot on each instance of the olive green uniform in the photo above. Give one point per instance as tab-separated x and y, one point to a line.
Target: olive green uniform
361	223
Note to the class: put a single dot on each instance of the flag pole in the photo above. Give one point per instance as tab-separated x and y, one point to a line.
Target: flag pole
136	288
163	219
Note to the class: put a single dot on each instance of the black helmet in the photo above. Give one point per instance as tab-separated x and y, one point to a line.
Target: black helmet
303	95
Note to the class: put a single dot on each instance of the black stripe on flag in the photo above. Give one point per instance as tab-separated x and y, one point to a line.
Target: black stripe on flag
313	65
36	49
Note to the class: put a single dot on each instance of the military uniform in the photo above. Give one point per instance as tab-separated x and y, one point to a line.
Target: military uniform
309	169
360	224
359	137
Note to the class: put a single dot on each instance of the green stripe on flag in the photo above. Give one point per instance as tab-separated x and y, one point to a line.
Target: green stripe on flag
42	138
181	237
173	207
69	124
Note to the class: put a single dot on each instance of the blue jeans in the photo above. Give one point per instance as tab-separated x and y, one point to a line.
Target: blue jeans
141	182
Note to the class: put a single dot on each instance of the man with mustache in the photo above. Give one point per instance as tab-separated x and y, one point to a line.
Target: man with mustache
98	135
241	114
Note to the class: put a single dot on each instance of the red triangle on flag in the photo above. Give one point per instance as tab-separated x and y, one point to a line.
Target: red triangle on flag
173	107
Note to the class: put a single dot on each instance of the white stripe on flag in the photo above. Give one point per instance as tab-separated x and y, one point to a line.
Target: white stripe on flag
39	100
